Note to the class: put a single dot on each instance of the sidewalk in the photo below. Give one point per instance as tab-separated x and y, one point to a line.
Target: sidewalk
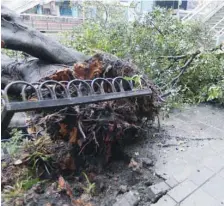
191	159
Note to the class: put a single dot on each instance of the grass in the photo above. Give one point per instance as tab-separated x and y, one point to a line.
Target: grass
18	189
39	154
90	187
13	145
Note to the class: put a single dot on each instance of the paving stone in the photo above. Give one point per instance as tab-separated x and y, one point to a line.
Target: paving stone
202	150
172	182
182	190
182	173
221	173
179	127
215	187
183	117
212	132
192	158
162	173
200	198
130	198
146	162
215	121
194	127
160	187
165	201
217	145
215	163
201	175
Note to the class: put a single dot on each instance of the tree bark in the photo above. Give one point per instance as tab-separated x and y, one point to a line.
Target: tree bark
17	36
32	70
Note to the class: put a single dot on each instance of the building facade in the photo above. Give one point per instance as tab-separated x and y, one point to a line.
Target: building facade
71	8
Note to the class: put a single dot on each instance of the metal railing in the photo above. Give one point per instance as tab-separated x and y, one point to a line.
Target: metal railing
204	11
54	94
50	23
218	25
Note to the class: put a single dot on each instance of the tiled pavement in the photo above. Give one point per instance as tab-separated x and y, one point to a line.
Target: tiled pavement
191	160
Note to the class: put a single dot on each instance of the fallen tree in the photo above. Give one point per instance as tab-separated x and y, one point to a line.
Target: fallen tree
93	128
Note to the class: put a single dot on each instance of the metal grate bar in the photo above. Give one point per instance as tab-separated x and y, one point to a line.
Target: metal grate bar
53	94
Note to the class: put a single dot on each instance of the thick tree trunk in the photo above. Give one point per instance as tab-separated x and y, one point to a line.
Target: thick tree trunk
17	36
27	70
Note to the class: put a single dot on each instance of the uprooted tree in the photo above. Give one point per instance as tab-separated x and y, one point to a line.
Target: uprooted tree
92	128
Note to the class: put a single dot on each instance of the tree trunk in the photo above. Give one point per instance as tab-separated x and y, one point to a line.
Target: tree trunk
32	70
17	36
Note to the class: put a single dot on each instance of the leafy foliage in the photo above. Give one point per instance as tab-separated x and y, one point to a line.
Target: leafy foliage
39	156
90	187
12	53
18	189
160	45
13	145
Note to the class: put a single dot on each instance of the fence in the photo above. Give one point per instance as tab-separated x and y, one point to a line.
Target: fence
50	23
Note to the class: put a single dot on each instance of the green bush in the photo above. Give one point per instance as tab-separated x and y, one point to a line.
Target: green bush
152	42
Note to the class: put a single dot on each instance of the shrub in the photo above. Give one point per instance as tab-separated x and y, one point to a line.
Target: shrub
160	45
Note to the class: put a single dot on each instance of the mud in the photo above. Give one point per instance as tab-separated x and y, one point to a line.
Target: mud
131	169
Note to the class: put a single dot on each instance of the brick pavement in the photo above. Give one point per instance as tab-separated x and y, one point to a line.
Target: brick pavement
192	158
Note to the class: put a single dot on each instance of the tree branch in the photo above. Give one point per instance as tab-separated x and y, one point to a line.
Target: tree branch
19	37
182	70
174	57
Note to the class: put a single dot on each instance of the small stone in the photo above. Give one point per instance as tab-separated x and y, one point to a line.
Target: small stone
172	182
130	198
148	183
123	189
160	187
48	204
102	186
19	202
133	164
38	189
146	162
54	186
18	162
85	197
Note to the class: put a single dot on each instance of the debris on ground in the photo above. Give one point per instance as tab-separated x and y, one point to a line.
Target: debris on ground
60	159
130	198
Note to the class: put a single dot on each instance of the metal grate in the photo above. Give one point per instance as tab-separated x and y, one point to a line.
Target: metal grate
54	94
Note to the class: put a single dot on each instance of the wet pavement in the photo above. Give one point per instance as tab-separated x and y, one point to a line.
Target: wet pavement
191	158
180	165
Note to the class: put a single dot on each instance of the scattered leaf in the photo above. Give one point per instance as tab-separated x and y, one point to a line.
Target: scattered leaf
80	202
133	163
65	186
18	162
67	163
63	129
73	136
48	204
61	182
31	129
